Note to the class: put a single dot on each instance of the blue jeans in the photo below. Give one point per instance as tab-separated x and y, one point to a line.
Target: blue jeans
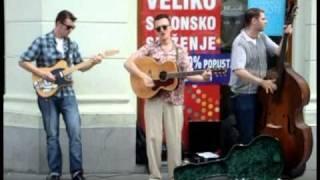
245	107
50	109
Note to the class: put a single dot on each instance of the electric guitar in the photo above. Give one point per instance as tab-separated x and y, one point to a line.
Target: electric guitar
60	70
165	76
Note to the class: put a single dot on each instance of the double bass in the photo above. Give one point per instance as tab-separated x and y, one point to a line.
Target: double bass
281	114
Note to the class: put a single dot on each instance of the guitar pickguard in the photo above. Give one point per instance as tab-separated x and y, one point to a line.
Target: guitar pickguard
60	78
44	86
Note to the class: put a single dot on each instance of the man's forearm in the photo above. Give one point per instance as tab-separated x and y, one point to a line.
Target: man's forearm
30	67
247	76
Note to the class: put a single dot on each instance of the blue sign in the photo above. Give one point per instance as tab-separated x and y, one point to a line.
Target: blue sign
275	14
215	61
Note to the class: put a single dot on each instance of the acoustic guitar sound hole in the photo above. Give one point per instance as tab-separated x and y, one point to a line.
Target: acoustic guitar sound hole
163	76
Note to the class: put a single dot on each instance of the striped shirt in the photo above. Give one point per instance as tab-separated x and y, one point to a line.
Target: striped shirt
249	54
154	50
44	51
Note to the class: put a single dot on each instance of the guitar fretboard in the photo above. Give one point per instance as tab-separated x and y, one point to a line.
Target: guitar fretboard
84	64
76	67
184	74
191	73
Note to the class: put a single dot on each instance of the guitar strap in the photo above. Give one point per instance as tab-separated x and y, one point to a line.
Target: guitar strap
67	55
177	57
68	52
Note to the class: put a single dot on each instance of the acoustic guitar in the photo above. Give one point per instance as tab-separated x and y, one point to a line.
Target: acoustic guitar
60	70
164	75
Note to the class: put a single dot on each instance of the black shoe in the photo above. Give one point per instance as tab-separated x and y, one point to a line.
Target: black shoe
78	176
53	177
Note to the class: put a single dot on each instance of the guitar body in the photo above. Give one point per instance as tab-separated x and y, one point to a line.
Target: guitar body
262	158
46	88
149	66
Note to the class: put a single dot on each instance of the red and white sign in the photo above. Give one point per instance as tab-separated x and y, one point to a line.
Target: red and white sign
195	23
196	26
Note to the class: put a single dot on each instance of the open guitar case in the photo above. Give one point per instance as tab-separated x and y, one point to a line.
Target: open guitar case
261	159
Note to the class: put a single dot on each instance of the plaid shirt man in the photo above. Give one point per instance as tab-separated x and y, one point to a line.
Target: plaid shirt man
43	50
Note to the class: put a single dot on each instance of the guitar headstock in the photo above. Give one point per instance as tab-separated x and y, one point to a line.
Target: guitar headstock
219	71
110	52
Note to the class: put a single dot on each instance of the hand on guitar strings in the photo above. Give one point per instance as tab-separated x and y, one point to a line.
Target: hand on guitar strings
48	76
148	81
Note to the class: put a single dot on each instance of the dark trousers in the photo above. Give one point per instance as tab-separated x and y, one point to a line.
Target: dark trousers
245	107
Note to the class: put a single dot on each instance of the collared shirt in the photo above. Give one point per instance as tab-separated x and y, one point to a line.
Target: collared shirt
44	51
248	38
155	51
250	54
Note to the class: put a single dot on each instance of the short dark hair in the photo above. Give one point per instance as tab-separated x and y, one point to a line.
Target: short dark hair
250	14
63	15
161	16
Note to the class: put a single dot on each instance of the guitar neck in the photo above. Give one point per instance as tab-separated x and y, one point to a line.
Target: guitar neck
88	62
184	74
76	67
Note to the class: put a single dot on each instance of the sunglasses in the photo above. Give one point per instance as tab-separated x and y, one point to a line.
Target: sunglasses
69	26
164	27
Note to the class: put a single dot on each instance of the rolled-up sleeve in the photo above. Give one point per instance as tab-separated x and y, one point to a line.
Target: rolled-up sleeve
32	52
144	50
238	57
76	53
271	46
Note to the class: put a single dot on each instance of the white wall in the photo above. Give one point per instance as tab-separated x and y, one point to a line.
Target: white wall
305	54
101	24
